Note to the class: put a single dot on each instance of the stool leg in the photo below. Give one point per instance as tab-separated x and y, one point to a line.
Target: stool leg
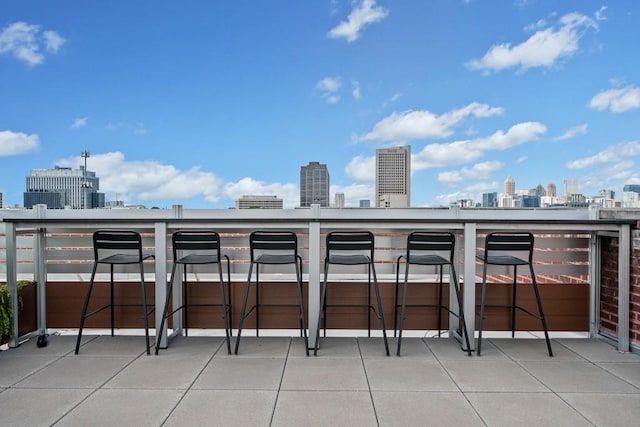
440	304
144	308
111	298
244	308
513	301
301	299
85	307
404	305
395	299
456	285
185	300
539	301
369	302
322	312
380	313
257	300
165	313
484	291
224	309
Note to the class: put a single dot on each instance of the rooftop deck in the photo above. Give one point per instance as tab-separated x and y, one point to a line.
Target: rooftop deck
350	382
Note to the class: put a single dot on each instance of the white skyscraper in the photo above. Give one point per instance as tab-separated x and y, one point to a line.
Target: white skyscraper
63	186
393	177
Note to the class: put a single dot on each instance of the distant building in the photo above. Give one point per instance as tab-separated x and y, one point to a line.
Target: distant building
61	187
530	201
570	188
393	177
509	186
635	188
490	200
551	190
259	202
1	200
364	203
314	185
340	200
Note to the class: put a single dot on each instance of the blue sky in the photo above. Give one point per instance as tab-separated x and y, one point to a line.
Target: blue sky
200	102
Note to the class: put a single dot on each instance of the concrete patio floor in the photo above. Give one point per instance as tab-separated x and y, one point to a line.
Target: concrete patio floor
351	382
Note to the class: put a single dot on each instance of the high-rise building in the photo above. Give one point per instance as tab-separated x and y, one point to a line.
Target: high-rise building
509	186
314	185
490	200
63	186
340	200
0	200
259	202
551	190
570	188
393	177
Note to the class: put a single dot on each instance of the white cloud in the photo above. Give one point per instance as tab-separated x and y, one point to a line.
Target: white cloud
423	124
479	171
142	181
573	132
617	100
612	154
53	41
251	187
545	48
362	169
328	88
13	143
364	13
356	90
79	122
521	159
24	42
135	128
460	152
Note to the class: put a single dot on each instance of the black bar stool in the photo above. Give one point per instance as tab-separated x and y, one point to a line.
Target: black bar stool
498	250
197	247
116	247
351	248
272	247
430	249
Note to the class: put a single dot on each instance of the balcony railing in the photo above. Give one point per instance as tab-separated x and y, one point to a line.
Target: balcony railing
55	245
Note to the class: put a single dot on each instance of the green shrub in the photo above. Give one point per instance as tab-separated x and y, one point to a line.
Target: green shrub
6	312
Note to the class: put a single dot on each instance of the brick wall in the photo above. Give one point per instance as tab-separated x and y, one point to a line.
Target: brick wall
609	287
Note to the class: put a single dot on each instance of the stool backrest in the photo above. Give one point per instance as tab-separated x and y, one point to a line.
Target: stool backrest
196	241
344	241
431	241
273	241
509	242
116	241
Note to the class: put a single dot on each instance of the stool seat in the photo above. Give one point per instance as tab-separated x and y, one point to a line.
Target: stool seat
502	260
349	259
427	260
276	259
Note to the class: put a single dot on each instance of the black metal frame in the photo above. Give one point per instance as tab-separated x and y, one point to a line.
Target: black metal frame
200	247
272	247
421	246
496	248
112	241
343	242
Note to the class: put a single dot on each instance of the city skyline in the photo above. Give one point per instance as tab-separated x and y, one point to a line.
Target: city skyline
200	104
